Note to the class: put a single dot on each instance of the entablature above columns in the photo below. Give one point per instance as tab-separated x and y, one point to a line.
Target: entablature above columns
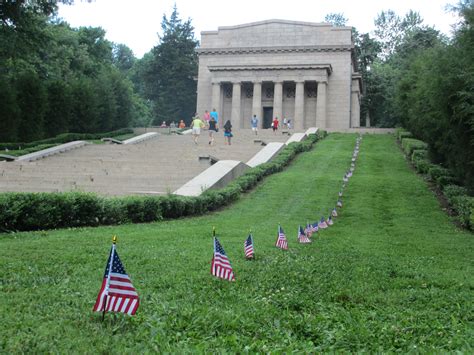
273	73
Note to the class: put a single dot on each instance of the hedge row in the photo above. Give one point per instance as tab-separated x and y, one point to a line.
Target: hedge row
457	196
66	137
36	211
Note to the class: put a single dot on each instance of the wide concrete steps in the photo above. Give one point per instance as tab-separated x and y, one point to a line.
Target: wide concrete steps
156	166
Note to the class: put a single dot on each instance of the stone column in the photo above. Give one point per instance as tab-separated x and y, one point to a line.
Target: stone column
298	122
257	102
321	106
216	101
355	109
278	100
235	116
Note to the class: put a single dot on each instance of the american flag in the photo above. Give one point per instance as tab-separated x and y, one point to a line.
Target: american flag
315	227
281	240
309	230
329	221
340	193
117	293
322	223
302	237
339	203
220	265
334	212
248	246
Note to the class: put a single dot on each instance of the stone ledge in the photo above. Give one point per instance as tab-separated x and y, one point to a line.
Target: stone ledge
266	154
141	138
214	177
311	130
296	137
52	151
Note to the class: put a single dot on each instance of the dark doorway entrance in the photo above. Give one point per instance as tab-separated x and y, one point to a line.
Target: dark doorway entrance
267	117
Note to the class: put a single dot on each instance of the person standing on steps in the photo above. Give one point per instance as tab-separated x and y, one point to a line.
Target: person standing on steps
228	132
196	126
254	124
275	124
212	130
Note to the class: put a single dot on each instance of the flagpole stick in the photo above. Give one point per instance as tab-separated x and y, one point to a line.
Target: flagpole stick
114	241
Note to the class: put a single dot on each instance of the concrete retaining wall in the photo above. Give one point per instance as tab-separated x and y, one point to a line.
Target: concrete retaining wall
266	154
141	138
52	151
215	177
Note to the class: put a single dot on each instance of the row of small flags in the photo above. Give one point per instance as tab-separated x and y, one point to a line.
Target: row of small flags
117	293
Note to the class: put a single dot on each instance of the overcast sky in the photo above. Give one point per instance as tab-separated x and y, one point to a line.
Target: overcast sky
137	23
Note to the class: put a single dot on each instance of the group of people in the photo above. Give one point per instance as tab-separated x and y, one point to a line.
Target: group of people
210	122
181	124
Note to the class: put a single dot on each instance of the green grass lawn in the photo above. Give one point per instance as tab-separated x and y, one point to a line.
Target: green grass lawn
392	274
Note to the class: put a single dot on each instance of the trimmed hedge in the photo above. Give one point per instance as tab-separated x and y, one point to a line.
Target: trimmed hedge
419	154
457	196
410	144
402	133
64	138
36	211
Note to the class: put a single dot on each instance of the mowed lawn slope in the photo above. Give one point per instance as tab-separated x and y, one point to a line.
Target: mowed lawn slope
392	274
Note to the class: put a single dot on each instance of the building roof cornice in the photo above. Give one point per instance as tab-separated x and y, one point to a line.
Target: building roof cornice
274	49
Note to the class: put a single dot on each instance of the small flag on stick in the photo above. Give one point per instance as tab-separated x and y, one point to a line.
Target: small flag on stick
281	239
329	221
302	237
334	212
339	203
220	265
117	293
322	223
248	247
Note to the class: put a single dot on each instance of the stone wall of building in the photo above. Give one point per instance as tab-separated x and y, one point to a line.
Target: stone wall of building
308	64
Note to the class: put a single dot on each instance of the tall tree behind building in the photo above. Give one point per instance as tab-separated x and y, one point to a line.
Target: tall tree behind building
170	75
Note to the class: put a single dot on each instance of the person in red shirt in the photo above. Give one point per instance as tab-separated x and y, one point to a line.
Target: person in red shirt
275	124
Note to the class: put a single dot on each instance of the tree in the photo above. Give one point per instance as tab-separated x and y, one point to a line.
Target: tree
169	78
336	19
390	29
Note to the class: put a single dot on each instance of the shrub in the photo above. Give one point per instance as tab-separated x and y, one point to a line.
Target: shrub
403	135
451	191
422	165
410	144
64	138
419	154
464	207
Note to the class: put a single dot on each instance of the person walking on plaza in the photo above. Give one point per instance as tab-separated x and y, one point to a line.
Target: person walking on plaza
215	115
212	130
228	132
275	124
254	124
196	126
207	117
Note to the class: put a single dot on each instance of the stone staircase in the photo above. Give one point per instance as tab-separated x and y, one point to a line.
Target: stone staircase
156	166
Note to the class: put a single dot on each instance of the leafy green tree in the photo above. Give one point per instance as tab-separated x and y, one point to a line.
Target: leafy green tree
9	112
123	57
58	114
32	101
336	19
169	77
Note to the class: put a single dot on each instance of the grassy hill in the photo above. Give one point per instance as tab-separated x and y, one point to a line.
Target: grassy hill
392	274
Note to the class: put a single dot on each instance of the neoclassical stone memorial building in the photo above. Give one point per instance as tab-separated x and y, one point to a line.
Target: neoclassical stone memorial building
299	70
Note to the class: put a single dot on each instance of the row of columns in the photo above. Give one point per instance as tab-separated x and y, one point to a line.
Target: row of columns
298	118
